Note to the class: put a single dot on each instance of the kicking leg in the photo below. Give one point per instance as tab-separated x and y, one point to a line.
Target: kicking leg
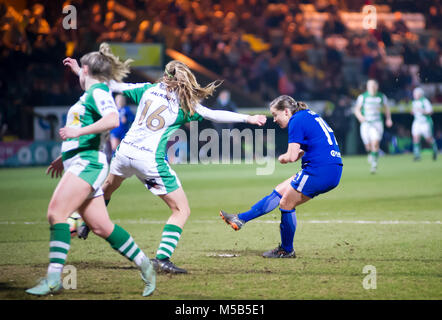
263	206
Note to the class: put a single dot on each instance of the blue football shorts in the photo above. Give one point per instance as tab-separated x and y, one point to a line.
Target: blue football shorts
312	181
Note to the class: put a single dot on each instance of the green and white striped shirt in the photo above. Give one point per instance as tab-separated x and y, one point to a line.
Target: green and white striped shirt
419	107
372	105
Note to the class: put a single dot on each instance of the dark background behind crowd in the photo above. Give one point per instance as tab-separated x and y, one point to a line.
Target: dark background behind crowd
264	47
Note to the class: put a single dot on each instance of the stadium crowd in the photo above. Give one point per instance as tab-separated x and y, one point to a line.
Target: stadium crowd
264	47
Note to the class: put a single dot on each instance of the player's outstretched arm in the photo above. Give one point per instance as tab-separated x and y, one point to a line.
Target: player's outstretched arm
122	87
222	116
114	86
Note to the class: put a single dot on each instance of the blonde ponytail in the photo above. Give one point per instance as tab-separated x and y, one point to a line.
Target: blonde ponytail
104	65
120	69
179	78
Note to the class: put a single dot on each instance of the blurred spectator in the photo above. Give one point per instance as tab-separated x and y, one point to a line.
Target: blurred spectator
38	25
433	18
3	126
399	25
264	48
333	25
383	34
339	120
143	32
224	102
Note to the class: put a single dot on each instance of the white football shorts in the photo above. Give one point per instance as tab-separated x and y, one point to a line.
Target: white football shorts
91	166
371	131
155	174
420	128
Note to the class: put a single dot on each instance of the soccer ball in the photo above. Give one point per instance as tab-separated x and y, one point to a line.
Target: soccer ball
74	222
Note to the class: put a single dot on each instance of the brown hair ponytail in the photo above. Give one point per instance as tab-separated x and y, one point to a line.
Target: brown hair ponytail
284	101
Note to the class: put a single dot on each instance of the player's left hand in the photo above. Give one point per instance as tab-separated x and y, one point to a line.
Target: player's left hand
258	119
67	133
388	123
73	64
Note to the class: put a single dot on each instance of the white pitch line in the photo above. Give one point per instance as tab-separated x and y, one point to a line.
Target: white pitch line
145	221
359	222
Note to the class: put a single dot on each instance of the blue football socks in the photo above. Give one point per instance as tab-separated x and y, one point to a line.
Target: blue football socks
287	229
263	206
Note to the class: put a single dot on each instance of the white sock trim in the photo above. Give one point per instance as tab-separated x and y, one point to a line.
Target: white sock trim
55	267
139	258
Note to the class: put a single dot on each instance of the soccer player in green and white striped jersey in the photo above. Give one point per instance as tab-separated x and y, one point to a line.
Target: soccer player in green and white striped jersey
162	108
85	169
368	111
422	123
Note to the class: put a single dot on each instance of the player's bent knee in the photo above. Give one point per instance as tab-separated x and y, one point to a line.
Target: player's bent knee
53	214
286	204
101	231
185	212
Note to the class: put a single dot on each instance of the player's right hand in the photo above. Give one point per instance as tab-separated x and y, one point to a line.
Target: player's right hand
55	168
258	119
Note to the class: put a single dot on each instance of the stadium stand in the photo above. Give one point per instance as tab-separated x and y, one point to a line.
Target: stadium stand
314	50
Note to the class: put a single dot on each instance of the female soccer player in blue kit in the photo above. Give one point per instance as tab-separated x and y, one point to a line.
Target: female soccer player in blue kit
312	139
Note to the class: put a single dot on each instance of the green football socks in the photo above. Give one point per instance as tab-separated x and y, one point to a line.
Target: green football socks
121	241
169	240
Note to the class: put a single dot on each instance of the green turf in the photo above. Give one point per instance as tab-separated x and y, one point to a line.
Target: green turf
390	220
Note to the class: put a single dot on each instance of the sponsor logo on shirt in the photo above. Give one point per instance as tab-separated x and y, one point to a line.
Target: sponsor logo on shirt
334	153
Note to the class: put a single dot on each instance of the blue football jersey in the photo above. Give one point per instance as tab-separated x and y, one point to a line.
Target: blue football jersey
315	137
122	129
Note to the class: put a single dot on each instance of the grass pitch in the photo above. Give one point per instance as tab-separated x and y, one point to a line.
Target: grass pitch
390	220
